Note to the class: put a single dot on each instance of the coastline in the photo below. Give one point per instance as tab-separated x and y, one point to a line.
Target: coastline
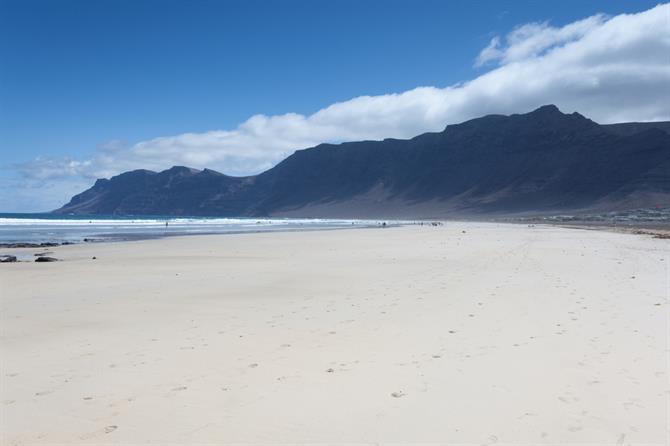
660	230
46	230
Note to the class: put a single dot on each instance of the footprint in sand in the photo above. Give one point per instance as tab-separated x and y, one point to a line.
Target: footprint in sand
106	430
180	388
44	392
399	394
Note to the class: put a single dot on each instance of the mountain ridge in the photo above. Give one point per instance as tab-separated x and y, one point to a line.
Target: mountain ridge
541	161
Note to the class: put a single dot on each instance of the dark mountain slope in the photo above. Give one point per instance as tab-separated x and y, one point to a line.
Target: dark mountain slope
630	128
542	161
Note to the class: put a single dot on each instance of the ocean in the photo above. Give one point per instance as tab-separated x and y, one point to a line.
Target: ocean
51	228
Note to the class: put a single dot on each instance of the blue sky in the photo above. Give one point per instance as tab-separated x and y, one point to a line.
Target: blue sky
79	77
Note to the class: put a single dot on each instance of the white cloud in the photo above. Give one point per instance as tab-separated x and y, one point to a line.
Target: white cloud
533	39
491	52
609	69
48	168
34	195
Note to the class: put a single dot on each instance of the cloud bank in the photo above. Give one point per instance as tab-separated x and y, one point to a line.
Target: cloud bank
611	69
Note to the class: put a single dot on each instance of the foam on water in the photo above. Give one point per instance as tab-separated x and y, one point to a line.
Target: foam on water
162	221
40	228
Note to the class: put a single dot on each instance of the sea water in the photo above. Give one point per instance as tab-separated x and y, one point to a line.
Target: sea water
52	228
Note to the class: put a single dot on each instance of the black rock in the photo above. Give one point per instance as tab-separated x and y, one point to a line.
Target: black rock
46	259
7	259
31	245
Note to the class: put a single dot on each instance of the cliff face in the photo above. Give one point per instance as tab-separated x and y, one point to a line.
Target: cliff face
542	161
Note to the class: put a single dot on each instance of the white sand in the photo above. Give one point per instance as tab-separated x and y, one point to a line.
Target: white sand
503	334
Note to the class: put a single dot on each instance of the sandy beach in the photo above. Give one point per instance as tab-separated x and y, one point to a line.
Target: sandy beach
467	333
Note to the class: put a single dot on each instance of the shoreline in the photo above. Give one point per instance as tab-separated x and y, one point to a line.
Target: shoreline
653	222
114	237
658	230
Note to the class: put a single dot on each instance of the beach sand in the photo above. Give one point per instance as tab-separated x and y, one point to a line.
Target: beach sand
467	333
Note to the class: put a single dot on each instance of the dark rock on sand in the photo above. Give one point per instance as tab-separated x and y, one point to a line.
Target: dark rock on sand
46	259
7	259
33	245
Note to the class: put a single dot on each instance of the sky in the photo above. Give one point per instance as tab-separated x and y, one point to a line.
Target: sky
89	89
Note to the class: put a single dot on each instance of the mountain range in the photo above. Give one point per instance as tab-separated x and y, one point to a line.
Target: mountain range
540	162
